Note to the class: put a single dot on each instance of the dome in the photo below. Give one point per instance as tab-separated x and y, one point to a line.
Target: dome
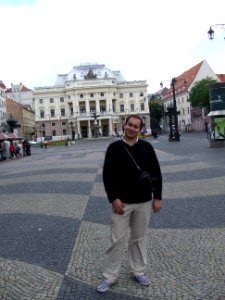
89	71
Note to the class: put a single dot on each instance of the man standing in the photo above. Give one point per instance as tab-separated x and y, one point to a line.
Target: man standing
131	201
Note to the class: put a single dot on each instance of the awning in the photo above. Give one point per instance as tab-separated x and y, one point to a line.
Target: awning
216	113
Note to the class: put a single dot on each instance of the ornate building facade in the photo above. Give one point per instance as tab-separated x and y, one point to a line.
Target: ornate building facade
89	101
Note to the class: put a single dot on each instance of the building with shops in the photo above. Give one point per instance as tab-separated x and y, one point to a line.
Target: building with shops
89	101
189	118
24	117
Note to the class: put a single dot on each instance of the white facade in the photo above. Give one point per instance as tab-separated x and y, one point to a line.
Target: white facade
21	94
90	100
2	105
182	87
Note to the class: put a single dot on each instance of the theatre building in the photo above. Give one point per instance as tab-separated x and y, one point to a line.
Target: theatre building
89	101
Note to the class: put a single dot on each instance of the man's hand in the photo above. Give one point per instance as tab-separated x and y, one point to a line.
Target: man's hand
118	206
156	205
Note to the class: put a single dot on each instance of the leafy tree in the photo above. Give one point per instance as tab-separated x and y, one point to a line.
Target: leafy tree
199	93
156	110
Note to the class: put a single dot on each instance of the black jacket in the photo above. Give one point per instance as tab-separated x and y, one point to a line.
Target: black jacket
121	176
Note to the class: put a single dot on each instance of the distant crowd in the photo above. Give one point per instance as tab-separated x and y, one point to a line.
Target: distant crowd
14	149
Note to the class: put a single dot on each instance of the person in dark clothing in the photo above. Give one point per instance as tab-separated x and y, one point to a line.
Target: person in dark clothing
131	201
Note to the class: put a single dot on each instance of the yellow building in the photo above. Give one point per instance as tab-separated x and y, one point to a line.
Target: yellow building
89	101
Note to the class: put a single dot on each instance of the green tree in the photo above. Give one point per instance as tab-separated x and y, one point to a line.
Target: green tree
199	93
156	109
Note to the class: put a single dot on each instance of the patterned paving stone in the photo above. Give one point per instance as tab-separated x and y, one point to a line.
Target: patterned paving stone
62	205
46	241
83	188
54	225
25	281
97	210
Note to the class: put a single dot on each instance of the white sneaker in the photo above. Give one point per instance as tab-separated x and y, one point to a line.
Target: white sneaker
142	280
103	286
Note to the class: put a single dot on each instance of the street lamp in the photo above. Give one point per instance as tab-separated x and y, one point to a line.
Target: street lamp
72	131
174	134
153	121
41	128
211	31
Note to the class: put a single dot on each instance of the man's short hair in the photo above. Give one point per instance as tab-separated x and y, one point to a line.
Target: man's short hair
136	117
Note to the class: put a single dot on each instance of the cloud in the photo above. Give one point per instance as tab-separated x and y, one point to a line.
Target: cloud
144	40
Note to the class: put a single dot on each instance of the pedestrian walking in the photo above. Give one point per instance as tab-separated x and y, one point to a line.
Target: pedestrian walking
131	176
12	150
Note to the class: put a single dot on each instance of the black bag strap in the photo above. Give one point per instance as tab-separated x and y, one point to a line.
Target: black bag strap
131	156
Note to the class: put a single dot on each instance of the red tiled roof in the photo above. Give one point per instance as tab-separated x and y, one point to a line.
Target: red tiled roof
23	89
221	77
2	85
184	81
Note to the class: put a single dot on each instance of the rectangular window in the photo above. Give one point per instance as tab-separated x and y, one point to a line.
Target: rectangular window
142	106
102	108
53	124
52	112
131	95
62	112
63	123
54	132
64	131
40	101
121	107
121	95
61	99
42	114
132	107
51	100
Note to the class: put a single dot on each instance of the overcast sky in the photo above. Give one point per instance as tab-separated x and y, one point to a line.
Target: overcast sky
145	39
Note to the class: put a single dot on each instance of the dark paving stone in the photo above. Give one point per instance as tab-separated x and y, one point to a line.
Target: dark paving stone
82	188
45	241
194	174
190	213
52	171
75	290
98	210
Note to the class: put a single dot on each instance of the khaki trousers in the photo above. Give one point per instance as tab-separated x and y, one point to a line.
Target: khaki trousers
135	219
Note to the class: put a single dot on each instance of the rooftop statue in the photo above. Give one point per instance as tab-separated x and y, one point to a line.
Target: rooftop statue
90	75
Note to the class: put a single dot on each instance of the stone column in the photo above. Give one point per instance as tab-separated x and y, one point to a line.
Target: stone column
89	129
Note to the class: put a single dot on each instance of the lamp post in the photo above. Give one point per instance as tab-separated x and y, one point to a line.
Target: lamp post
153	122
174	134
211	31
72	131
41	128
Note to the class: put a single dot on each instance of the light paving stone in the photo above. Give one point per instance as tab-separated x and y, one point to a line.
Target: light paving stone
98	190
193	188
22	281
46	204
189	166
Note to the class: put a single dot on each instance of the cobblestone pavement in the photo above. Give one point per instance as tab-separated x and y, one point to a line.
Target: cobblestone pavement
54	225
